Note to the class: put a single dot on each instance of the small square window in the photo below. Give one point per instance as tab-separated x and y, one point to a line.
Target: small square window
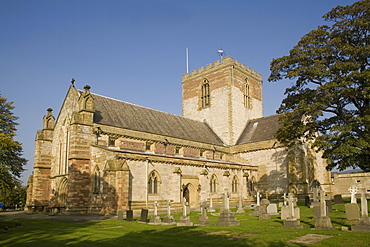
358	181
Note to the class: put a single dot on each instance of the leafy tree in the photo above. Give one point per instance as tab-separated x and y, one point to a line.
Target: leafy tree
329	100
11	162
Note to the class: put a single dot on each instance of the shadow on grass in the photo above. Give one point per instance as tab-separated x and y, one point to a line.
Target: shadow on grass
113	233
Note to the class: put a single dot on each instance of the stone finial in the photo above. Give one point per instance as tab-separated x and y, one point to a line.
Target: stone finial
87	88
49	120
73	81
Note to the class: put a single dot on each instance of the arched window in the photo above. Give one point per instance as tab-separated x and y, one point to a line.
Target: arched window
153	182
96	181
213	184
234	184
205	97
247	96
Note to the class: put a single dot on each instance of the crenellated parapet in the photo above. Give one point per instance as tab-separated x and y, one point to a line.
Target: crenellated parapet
226	61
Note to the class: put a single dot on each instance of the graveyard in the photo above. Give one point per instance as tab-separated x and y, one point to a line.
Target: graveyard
294	224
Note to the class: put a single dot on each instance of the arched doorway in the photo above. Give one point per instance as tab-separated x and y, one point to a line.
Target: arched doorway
186	194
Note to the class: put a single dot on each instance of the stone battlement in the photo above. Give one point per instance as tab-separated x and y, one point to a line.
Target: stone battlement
225	61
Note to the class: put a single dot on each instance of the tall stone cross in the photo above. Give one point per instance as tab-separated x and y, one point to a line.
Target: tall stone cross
168	208
353	190
364	209
291	203
258	199
155	208
315	192
285	198
322	203
184	204
226	199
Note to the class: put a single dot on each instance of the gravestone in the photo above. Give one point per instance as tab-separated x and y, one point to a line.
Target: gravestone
272	209
352	211
291	221
329	207
264	215
119	215
203	219
226	217
363	225
144	215
168	219
338	199
184	219
316	212
240	206
129	215
323	222
155	220
257	207
307	201
353	190
315	197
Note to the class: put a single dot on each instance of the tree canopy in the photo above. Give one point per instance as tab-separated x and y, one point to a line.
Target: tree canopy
328	102
11	161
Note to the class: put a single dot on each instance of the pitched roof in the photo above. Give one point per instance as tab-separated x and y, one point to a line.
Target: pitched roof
121	114
260	129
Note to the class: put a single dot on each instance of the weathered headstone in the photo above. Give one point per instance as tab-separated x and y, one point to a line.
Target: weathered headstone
315	197
226	217
240	205
338	199
168	219
203	219
155	220
329	207
352	211
353	190
120	215
316	212
272	209
323	222
264	215
291	221
144	215
184	219
129	215
363	225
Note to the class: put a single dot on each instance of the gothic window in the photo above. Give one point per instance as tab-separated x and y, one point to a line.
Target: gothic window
153	182
96	181
234	184
247	96
205	94
213	184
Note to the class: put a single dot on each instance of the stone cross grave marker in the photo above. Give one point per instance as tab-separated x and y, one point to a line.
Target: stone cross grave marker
363	225
258	198
323	222
240	205
353	190
168	219
211	209
155	218
203	220
184	219
291	221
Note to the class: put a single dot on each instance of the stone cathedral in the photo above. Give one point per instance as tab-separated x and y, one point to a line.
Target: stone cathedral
102	155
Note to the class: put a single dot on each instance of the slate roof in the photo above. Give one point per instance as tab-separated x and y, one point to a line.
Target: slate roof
261	129
121	114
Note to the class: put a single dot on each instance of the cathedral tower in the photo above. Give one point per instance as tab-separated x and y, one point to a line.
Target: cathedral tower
225	95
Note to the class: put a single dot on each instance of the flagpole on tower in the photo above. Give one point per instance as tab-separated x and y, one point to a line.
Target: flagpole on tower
187	60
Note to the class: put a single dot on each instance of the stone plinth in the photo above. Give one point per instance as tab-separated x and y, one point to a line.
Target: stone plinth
168	220
155	220
184	221
292	224
227	219
323	223
363	225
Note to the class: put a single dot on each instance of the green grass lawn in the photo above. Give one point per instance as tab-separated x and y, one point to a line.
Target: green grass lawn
39	233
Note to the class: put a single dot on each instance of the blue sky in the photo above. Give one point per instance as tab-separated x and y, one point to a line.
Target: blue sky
135	50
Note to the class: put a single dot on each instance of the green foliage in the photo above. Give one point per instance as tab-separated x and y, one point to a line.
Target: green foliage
11	162
331	93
